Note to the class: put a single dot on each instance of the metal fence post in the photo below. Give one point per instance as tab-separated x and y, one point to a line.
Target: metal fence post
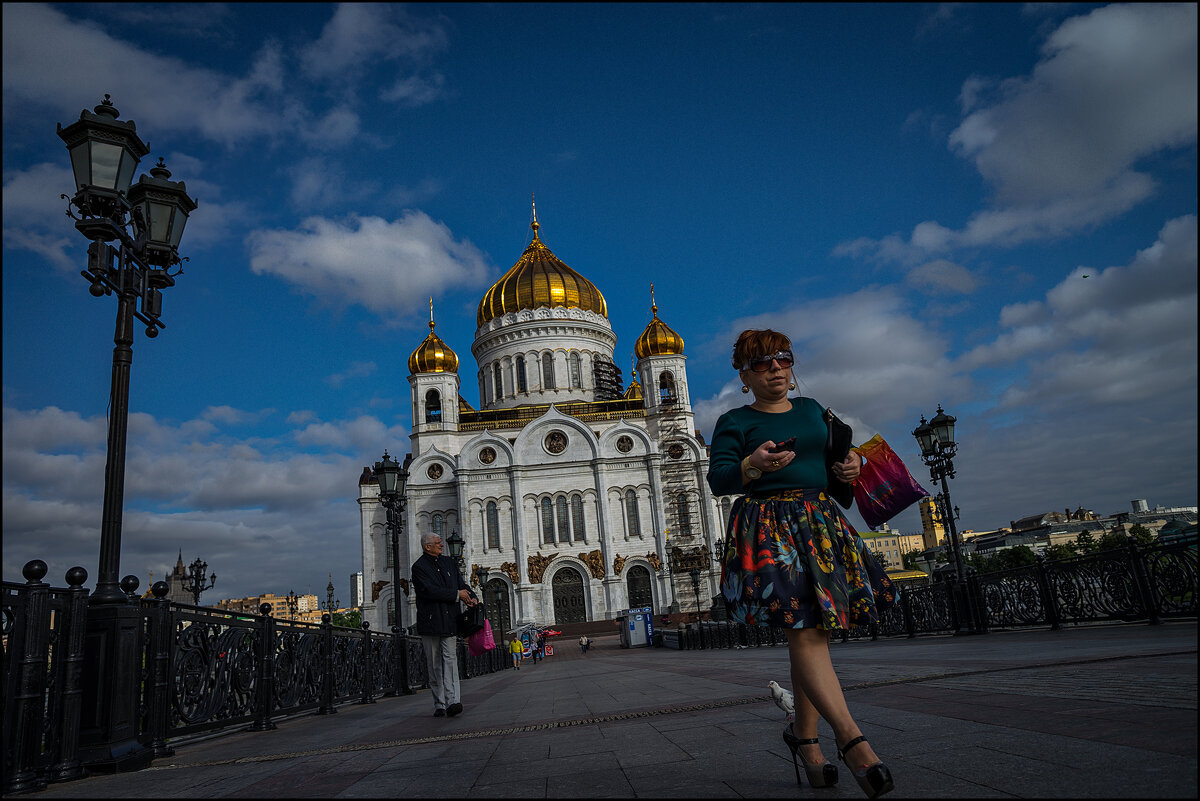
67	765
368	675
327	707
910	623
264	685
158	701
1047	591
1140	577
25	720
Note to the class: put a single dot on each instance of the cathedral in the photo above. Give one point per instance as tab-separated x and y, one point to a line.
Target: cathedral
581	498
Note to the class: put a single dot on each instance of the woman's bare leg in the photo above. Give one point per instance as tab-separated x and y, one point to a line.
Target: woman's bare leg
813	674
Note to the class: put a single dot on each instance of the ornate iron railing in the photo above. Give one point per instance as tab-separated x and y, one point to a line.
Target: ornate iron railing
204	670
1131	583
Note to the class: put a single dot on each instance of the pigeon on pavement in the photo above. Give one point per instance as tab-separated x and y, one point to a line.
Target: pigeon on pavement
783	699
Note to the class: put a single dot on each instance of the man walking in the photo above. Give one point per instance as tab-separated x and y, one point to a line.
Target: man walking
439	588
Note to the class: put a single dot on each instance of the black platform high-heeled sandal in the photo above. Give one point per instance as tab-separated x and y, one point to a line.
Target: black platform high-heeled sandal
822	774
875	780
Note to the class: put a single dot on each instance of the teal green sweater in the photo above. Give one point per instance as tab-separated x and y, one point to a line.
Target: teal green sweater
740	431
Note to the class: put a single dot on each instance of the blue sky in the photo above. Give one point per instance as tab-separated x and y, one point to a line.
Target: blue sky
991	207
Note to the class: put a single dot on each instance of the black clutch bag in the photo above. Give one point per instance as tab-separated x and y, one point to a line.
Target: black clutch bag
469	620
837	447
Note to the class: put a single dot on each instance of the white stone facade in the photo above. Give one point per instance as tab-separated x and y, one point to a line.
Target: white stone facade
535	491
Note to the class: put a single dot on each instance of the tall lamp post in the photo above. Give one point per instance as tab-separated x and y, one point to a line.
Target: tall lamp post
195	583
392	481
293	601
332	605
695	574
133	232
936	439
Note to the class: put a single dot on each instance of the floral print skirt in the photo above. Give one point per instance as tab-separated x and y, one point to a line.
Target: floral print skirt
792	560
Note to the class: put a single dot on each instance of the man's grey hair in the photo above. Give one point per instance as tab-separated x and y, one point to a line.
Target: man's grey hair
427	538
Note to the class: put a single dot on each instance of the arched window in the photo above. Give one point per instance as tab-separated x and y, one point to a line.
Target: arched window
433	407
387	544
683	514
666	387
547	521
522	385
437	525
577	517
548	371
631	512
499	381
725	508
564	524
576	373
493	525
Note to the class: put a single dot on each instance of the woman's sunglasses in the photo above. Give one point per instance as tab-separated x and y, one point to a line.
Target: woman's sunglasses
763	363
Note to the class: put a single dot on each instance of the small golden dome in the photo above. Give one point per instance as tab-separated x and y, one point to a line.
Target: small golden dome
540	280
635	389
433	355
658	339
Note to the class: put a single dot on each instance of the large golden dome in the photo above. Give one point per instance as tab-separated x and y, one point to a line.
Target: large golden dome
659	339
433	356
539	280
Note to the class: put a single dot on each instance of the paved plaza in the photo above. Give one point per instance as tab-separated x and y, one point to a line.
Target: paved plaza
1088	712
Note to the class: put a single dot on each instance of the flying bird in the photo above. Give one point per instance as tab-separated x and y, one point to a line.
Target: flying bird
783	699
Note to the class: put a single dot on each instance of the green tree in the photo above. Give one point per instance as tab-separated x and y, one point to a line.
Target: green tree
911	558
350	620
1142	534
1085	543
1063	550
1111	541
1019	556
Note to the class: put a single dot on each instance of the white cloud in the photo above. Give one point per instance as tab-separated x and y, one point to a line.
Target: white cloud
170	95
1107	336
383	266
361	36
1062	145
943	277
196	486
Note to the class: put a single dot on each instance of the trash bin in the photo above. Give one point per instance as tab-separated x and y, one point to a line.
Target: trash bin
637	627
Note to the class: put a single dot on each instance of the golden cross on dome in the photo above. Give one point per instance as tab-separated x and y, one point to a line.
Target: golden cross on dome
430	312
534	225
653	306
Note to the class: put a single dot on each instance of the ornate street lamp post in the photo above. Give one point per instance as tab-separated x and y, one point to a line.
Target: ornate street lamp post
195	582
134	233
293	601
936	439
455	543
392	481
331	604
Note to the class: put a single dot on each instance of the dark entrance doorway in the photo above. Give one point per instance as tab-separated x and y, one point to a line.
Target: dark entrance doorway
499	610
637	582
568	597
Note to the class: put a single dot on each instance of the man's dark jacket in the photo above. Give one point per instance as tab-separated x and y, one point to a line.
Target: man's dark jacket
437	582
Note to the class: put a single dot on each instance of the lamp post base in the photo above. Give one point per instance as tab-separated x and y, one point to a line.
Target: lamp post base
108	731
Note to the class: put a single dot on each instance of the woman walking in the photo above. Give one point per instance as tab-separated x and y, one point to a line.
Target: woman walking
791	559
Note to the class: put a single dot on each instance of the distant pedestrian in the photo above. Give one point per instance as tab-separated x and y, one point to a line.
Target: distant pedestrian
517	650
439	588
583	644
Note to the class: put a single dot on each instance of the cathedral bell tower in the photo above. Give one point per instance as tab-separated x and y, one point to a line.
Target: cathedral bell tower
433	379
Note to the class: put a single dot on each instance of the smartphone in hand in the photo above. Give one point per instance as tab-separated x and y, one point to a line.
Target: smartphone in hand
786	445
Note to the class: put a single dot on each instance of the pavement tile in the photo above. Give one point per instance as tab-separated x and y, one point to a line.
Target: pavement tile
1038	721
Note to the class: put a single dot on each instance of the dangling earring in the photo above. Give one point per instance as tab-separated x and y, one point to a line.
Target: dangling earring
792	385
745	388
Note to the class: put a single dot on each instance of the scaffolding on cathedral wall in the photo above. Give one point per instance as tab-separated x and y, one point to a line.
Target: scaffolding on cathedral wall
686	546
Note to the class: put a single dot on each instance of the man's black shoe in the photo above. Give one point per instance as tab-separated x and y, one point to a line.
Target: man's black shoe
439	713
453	709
